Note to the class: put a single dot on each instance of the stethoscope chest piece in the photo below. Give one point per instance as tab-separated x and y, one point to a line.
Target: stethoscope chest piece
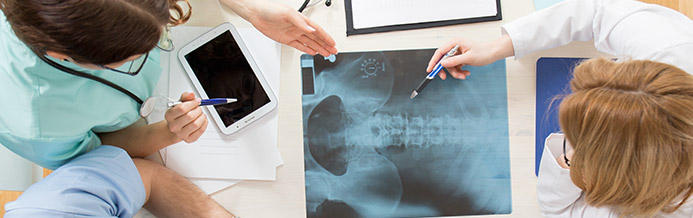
152	104
147	107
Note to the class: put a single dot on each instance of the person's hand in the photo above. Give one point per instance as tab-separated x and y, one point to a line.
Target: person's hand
285	25
561	160
186	120
470	53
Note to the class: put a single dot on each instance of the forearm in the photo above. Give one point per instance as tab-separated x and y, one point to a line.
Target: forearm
171	195
244	8
502	47
141	140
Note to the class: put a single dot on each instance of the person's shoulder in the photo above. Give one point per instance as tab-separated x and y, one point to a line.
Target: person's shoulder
3	18
15	56
17	117
684	211
677	55
7	36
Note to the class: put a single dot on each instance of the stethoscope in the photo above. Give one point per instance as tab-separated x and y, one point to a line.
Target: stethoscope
306	3
146	107
152	103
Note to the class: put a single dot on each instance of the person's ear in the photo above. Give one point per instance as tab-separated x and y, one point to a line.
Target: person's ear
56	55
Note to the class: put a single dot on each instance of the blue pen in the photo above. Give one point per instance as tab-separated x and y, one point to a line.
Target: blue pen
205	102
433	73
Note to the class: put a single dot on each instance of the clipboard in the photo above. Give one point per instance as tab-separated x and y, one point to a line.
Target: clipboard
354	29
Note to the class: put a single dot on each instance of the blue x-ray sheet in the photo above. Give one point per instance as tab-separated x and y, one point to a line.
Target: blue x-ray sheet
371	151
541	4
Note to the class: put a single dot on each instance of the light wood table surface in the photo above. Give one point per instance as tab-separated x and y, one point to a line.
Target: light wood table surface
286	198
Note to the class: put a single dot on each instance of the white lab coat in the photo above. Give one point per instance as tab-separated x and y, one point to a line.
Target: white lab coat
624	28
559	197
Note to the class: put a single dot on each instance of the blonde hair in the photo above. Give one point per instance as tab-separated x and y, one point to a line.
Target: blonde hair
631	125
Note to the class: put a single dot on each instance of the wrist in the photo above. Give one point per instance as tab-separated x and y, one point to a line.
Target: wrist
244	8
503	47
169	137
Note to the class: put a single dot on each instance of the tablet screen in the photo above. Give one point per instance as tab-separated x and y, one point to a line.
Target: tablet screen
224	72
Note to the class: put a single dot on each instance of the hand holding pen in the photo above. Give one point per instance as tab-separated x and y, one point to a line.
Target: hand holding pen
471	53
161	103
433	72
207	102
186	120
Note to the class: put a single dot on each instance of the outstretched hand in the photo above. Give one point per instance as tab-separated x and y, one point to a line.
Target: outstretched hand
470	53
287	26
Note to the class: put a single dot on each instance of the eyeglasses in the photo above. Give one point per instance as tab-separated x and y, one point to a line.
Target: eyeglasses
134	68
565	157
165	43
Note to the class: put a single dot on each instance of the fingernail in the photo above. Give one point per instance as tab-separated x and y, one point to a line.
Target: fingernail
444	62
198	100
310	28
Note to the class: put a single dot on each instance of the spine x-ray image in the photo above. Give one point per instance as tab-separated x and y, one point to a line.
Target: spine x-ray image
371	151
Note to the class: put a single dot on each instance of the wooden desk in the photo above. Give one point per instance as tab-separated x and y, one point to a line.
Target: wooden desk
684	6
6	197
286	198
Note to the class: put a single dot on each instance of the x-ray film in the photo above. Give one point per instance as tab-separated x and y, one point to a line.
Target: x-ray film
371	151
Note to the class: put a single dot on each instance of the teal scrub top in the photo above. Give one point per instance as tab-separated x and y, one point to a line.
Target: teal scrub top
48	116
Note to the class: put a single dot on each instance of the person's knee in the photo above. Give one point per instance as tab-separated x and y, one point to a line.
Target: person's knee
148	172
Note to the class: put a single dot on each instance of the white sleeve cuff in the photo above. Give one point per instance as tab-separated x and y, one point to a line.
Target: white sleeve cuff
556	191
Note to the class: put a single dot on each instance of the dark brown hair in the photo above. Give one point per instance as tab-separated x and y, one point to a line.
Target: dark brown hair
92	31
631	126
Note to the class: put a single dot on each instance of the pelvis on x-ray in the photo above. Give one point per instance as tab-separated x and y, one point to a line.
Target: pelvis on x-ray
370	151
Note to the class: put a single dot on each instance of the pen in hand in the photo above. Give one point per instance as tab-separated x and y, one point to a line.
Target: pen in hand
433	72
160	102
206	102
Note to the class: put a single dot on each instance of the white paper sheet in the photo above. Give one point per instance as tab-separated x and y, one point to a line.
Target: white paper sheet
211	186
369	13
248	154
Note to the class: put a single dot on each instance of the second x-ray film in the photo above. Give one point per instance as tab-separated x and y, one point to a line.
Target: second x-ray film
371	151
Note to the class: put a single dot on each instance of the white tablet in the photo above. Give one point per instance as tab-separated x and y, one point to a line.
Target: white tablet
220	66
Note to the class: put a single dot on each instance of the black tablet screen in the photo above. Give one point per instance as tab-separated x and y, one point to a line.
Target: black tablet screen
224	72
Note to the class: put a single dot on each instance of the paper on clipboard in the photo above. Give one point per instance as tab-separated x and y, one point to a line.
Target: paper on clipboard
249	154
365	16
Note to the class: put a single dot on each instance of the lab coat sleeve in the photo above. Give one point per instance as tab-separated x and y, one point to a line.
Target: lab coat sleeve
556	192
555	26
624	28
